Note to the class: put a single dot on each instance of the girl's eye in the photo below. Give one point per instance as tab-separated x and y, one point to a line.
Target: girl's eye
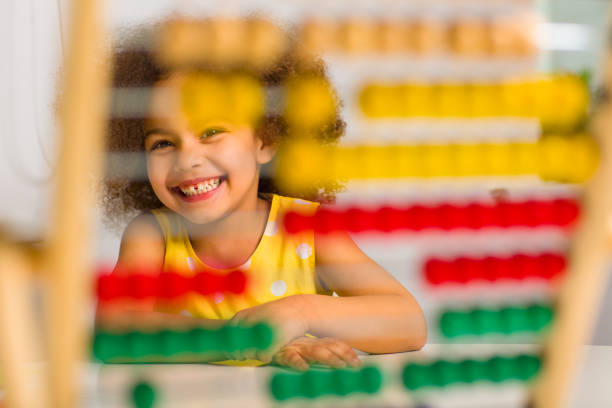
211	132
160	145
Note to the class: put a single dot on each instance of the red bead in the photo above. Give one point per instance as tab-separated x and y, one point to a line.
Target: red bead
110	286
206	283
173	285
235	282
390	219
328	220
565	212
360	220
551	265
141	286
450	217
437	271
294	222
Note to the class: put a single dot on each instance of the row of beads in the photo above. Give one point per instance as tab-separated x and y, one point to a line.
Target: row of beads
305	101
258	43
112	346
552	158
316	383
506	320
469	37
442	373
532	213
517	267
559	102
167	285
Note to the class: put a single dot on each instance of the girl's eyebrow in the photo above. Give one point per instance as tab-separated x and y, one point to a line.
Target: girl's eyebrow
158	131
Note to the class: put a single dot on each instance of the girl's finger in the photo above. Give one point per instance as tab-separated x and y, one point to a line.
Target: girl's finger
322	354
344	352
293	359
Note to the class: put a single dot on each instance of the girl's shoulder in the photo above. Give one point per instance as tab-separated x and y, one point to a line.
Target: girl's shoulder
142	242
291	204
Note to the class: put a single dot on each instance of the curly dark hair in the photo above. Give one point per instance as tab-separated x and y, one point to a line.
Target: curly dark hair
126	189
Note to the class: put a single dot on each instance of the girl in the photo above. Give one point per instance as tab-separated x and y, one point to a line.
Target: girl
205	203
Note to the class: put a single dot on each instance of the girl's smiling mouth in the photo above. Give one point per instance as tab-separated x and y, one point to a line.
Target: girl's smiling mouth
198	189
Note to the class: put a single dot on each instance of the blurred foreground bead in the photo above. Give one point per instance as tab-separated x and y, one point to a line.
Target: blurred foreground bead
196	342
559	102
316	383
507	320
443	373
567	159
167	285
560	212
492	269
309	103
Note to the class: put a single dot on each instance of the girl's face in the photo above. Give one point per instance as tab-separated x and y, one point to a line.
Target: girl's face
202	174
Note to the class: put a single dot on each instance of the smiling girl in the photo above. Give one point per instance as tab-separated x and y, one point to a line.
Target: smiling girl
205	204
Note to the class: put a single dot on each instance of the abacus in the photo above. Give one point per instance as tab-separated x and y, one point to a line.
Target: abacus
562	283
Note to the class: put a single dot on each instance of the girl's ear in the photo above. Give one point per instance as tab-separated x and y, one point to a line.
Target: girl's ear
265	152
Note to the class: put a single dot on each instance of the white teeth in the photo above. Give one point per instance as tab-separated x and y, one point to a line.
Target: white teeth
201	187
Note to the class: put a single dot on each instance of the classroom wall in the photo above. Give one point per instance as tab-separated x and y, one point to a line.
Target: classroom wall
31	43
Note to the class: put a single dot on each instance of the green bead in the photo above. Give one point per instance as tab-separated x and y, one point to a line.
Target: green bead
204	340
343	382
174	342
474	370
485	321
540	316
285	386
371	380
262	335
142	344
416	376
233	338
446	373
315	383
455	323
527	367
143	395
514	319
501	369
106	346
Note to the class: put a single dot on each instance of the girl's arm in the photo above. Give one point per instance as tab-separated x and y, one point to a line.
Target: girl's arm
373	313
142	249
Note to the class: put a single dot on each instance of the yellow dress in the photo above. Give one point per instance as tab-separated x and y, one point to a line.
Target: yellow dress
281	265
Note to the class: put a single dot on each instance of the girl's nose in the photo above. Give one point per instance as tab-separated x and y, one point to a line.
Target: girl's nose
188	158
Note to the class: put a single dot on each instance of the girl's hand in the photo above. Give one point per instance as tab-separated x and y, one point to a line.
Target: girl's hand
286	315
304	350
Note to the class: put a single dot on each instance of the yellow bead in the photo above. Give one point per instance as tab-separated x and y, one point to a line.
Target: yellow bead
484	100
420	100
439	161
452	101
380	101
526	158
247	99
468	159
310	103
498	159
204	98
555	158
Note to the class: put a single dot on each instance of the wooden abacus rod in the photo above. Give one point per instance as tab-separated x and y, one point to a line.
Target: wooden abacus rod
583	287
18	347
67	261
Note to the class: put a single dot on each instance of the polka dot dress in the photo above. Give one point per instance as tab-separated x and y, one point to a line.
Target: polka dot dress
281	265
